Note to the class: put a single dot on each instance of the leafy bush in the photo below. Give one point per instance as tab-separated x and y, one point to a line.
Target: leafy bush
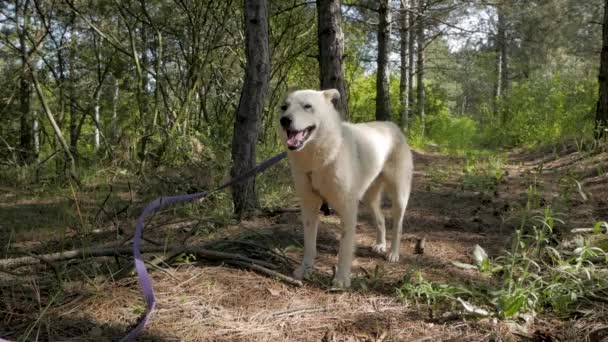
450	132
539	111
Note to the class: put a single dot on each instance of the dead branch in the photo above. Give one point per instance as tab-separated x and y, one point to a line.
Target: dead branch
110	251
268	272
294	312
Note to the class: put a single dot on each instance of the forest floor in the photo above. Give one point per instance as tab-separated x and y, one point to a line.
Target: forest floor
200	300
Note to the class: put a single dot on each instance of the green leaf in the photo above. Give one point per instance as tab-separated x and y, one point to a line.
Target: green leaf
513	305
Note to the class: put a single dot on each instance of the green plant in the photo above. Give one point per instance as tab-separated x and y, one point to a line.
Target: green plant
432	293
534	276
540	111
483	173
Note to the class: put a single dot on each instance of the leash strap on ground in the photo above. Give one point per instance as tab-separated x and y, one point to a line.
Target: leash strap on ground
142	274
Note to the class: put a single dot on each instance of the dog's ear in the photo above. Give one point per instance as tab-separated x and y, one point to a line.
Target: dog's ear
332	95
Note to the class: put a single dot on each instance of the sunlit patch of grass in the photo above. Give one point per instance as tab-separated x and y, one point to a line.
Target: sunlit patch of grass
483	173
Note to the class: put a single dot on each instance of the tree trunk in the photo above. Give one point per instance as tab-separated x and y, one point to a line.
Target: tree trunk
115	127
36	132
251	103
51	117
25	87
502	77
383	104
601	115
411	57
420	64
74	134
97	122
331	50
404	85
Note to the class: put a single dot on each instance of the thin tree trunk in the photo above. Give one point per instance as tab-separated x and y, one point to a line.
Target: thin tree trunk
97	96
383	104
502	77
115	128
420	64
36	131
331	50
97	122
601	115
25	88
51	117
74	134
411	57
251	103
404	85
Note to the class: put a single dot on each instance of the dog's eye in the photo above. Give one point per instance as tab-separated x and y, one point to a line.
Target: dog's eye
307	106
284	107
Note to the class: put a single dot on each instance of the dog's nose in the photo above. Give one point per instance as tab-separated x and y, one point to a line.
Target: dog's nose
285	121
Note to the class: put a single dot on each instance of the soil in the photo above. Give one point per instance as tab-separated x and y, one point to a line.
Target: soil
203	301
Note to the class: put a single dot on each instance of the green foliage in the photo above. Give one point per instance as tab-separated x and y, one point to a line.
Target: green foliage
451	132
542	111
483	172
434	294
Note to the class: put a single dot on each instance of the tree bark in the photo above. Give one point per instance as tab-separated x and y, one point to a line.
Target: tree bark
383	104
96	133
404	85
36	132
502	77
420	64
251	104
74	129
115	127
601	115
411	57
25	88
51	117
331	50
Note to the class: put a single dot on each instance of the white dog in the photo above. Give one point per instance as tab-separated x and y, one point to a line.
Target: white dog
343	163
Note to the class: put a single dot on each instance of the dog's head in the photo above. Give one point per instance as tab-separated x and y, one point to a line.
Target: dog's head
303	113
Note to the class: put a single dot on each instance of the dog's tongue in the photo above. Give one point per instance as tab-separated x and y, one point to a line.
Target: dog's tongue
295	138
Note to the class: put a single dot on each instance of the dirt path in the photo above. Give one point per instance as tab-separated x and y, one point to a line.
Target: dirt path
199	302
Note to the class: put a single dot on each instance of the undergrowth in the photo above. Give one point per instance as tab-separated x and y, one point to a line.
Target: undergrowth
538	274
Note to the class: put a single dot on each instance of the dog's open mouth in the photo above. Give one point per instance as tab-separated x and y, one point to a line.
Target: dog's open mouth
296	139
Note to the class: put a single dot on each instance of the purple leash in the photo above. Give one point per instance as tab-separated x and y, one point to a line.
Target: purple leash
142	274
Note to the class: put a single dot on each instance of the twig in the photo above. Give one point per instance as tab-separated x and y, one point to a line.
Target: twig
294	312
268	272
603	229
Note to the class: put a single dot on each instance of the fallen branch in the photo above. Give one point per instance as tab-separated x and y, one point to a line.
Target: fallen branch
273	274
111	251
294	312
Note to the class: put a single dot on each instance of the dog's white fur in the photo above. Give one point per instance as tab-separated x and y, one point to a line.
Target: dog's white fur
344	163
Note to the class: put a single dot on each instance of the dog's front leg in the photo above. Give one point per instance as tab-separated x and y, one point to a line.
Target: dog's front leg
310	219
347	245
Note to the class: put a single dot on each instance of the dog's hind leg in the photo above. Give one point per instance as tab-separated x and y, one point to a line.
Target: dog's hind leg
399	184
399	200
373	198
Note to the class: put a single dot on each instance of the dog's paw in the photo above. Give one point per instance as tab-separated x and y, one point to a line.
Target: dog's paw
341	282
303	271
393	257
379	248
